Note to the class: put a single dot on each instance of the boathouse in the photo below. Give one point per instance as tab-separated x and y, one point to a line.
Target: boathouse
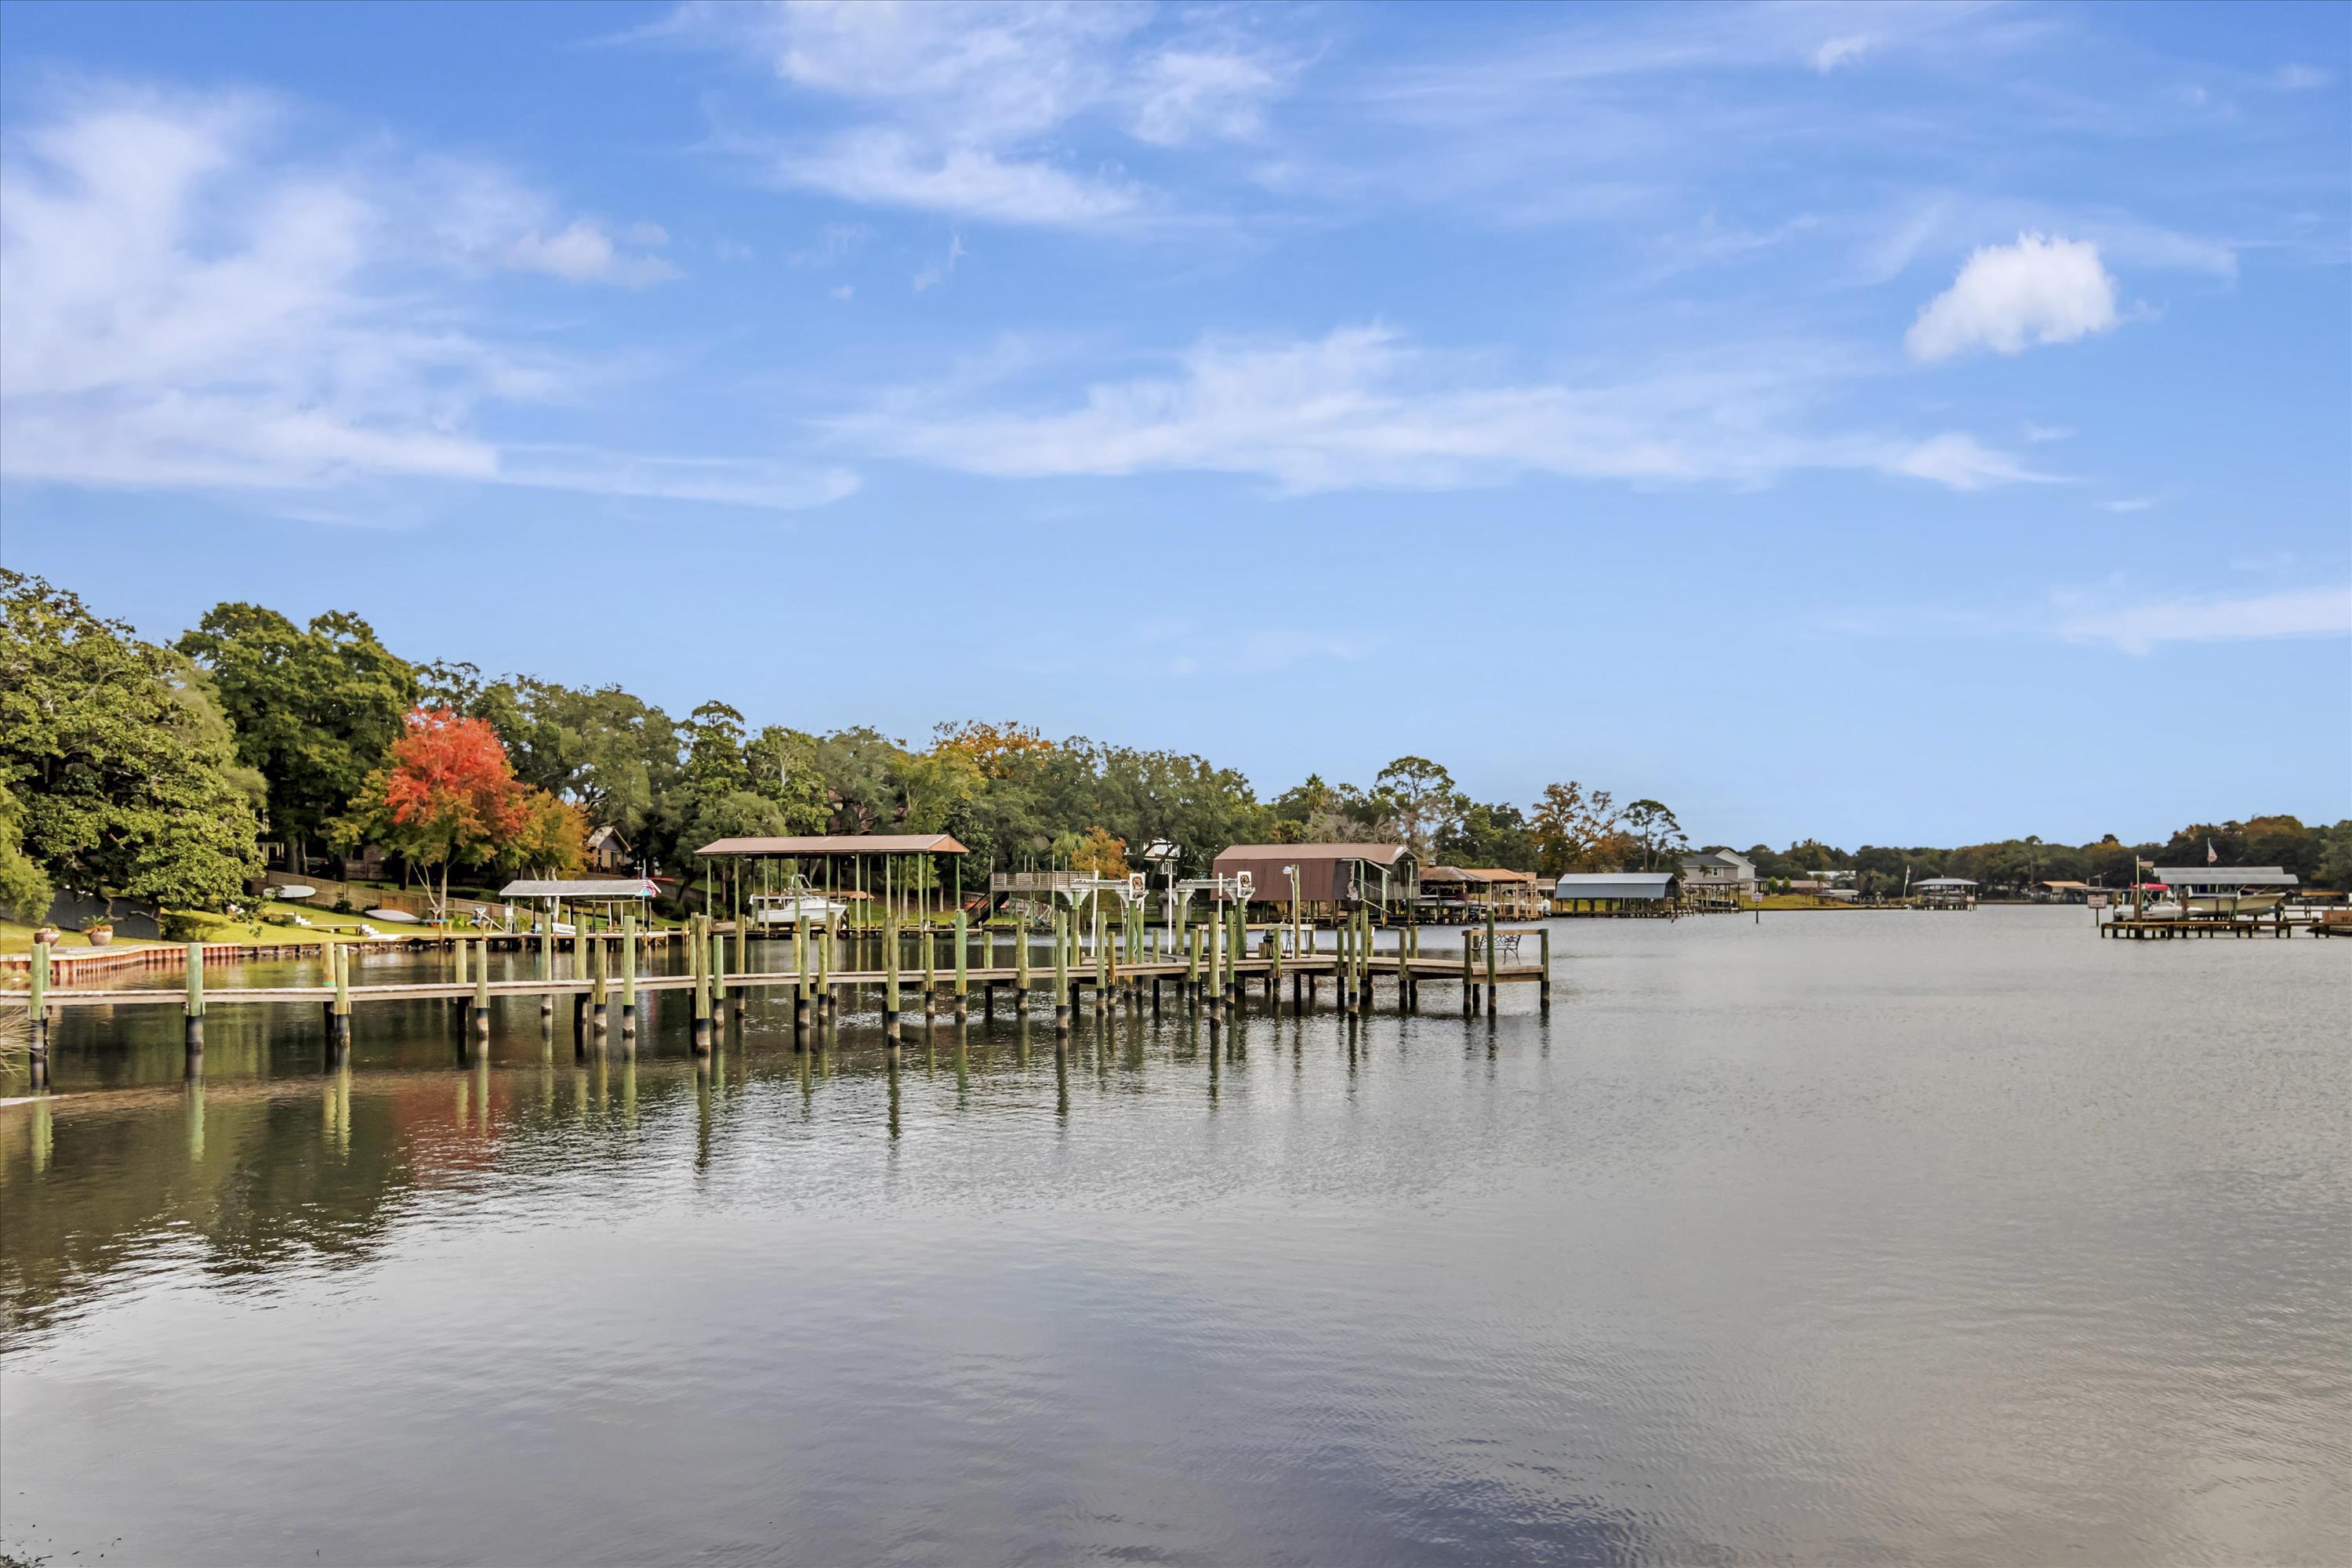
1945	893
2227	889
1510	895
1332	878
1612	893
914	875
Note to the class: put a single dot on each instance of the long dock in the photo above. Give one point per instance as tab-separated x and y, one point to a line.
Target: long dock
1215	974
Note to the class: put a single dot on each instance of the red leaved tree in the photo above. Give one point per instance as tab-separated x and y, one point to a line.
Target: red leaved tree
446	794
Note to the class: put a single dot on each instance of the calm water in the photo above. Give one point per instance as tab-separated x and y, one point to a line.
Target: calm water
1952	1239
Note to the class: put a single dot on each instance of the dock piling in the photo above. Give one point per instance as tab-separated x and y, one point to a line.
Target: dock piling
194	1005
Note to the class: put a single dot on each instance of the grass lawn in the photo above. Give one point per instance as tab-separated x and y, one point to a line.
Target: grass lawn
253	932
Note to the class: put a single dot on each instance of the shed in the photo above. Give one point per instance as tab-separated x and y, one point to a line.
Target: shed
1331	877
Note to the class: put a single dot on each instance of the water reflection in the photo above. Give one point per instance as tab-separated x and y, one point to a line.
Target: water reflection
1852	1240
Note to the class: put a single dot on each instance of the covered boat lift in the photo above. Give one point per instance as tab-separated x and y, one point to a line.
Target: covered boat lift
898	870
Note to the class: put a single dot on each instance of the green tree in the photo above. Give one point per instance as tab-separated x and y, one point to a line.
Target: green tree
1654	827
24	889
1422	800
612	755
118	756
314	709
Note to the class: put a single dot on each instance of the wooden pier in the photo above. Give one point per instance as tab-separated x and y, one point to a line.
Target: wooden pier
1215	973
2319	922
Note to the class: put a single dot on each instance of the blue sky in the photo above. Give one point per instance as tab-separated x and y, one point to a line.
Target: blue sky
1895	424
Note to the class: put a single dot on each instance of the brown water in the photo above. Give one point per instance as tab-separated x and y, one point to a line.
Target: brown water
1948	1239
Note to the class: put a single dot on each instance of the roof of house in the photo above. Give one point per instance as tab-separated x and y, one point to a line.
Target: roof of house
1943	882
580	887
839	843
1377	853
2226	876
1719	858
1499	874
604	833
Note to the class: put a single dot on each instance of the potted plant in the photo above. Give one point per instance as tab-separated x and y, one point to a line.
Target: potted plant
47	936
99	932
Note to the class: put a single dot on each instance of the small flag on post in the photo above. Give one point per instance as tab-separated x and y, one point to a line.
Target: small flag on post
2210	855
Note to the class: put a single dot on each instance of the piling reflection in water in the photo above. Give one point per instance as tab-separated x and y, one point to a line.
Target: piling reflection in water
1668	1278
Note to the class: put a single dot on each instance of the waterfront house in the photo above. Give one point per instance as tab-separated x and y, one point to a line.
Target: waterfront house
1718	876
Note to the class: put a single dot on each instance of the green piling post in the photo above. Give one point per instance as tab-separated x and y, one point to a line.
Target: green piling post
194	1005
37	1015
962	958
890	975
1061	978
629	972
1490	961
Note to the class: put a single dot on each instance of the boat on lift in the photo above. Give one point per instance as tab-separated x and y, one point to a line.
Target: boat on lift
803	905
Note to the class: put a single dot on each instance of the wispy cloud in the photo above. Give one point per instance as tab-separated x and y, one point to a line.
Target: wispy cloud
2126	505
2142	628
2010	297
189	298
963	107
940	271
1360	407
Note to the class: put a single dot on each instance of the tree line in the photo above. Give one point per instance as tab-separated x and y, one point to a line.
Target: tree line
160	771
2321	856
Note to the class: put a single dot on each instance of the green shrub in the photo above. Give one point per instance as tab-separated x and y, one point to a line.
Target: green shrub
179	925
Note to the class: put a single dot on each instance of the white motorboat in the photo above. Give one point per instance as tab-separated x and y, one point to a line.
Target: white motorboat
787	910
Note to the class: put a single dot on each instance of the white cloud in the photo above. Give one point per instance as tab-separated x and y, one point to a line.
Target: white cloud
892	168
583	252
2127	504
1961	462
2139	628
2038	433
1841	51
1184	94
2009	297
2300	78
1360	408
185	303
845	291
966	109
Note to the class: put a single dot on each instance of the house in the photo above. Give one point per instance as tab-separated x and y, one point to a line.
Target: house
1718	876
608	851
1332	878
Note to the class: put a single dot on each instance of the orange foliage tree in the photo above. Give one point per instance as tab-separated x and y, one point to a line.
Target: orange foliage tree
989	747
446	794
